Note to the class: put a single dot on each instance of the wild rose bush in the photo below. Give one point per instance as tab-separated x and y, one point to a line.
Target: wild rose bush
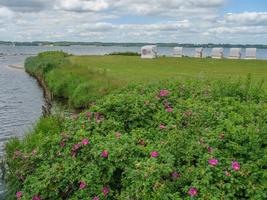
171	140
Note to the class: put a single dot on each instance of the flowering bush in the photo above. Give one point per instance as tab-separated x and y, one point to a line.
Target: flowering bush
200	140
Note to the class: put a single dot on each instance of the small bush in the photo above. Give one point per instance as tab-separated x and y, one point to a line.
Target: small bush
45	62
171	140
125	54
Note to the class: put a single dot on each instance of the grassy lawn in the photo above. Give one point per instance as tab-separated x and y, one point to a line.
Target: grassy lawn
132	68
84	79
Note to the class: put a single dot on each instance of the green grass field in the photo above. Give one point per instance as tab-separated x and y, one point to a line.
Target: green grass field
132	68
83	79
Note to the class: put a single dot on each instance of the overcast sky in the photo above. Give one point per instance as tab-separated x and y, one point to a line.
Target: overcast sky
182	21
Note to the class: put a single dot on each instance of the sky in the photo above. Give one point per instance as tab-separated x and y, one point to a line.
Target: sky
179	21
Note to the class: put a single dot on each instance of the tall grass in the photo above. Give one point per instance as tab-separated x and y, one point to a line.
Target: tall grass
81	80
64	80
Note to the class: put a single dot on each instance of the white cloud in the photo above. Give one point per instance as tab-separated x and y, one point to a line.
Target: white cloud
129	21
5	13
246	18
82	5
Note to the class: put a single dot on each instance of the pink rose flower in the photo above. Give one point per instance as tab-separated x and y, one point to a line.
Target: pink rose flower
76	146
192	192
89	114
175	175
17	153
85	141
164	93
95	198
227	173
82	185
34	152
118	135
210	149
213	162
161	126
19	194
169	109
235	166
105	191
62	144
154	154
104	154
36	198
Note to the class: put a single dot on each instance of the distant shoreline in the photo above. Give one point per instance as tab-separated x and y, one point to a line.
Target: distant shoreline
138	44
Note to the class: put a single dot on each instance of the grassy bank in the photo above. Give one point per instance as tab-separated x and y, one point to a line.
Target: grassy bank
158	139
168	140
84	79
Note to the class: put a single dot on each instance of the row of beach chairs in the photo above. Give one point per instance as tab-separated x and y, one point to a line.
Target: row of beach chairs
218	53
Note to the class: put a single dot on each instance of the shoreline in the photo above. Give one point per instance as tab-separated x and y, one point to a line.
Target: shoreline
16	66
46	93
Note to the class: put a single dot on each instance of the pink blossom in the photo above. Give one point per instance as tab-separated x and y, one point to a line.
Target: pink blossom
210	149
98	117
235	165
175	175
82	185
227	173
161	126
118	135
105	191
62	144
213	162
85	141
95	198
34	152
76	146
164	93
154	154
192	192
19	194
88	114
169	109
166	104
36	198
17	153
104	154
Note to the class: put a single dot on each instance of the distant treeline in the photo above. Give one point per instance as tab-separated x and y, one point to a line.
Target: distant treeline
188	45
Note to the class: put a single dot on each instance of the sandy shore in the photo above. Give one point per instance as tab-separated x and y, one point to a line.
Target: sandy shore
16	66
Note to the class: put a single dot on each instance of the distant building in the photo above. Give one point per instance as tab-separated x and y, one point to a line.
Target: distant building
199	52
217	53
149	52
251	53
178	52
235	53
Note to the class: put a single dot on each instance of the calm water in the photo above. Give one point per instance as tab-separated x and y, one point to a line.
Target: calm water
21	98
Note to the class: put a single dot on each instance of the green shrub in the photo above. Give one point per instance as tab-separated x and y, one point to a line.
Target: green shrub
45	62
79	89
125	54
158	141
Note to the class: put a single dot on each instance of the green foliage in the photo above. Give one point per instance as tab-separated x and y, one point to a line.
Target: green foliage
65	81
124	54
20	155
229	117
83	79
45	62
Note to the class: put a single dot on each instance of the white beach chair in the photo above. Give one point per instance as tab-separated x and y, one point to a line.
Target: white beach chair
149	52
235	53
178	52
199	52
217	53
251	53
